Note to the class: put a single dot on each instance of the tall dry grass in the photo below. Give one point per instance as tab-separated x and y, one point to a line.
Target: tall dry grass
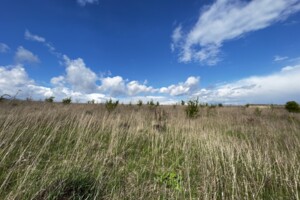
55	151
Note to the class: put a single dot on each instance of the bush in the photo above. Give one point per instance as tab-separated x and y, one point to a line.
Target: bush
91	102
220	105
292	106
110	105
182	103
50	99
192	108
140	103
67	100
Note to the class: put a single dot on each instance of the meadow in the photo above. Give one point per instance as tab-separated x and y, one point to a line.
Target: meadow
82	151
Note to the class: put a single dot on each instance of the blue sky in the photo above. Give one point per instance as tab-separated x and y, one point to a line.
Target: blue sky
222	51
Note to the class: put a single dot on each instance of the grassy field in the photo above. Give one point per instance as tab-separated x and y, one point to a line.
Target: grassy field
81	151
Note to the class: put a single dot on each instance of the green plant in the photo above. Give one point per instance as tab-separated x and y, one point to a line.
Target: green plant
220	105
140	103
49	99
67	100
77	185
257	112
110	105
157	104
182	103
192	108
171	180
292	106
150	103
247	105
91	102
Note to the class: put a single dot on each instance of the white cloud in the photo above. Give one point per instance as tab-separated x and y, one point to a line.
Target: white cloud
280	58
78	76
85	2
4	48
58	81
134	87
274	88
226	20
30	36
114	86
14	79
23	55
186	88
40	39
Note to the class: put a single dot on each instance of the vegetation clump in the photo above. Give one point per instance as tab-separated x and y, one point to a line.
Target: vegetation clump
49	99
111	105
172	180
292	106
192	108
182	102
67	100
140	103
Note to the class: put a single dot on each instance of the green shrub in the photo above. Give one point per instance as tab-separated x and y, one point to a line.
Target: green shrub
140	103
257	112
110	105
91	102
192	108
49	99
292	106
171	180
220	105
67	100
182	103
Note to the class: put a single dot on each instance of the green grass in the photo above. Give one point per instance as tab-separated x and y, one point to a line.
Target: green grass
54	151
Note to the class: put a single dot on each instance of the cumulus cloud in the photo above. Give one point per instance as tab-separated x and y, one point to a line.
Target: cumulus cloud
186	88
225	20
4	48
114	86
85	2
23	55
14	79
79	76
134	87
278	87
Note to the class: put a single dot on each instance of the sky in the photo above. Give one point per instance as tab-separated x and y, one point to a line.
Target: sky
219	51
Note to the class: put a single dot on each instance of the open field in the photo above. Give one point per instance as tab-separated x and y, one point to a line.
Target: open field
78	151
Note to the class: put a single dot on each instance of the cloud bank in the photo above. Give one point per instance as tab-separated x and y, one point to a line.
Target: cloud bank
82	84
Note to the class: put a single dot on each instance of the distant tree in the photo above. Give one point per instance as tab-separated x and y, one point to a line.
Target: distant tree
91	101
140	103
292	106
110	105
182	103
49	99
67	100
220	105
